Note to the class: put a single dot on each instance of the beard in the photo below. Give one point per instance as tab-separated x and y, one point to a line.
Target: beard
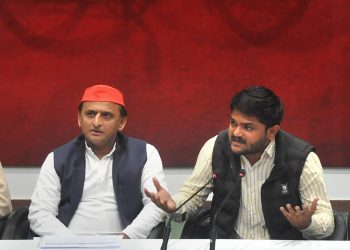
250	149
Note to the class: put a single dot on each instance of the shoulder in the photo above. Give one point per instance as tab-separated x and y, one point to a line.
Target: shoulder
207	149
77	141
220	138
313	162
2	175
151	150
285	136
286	139
209	144
124	139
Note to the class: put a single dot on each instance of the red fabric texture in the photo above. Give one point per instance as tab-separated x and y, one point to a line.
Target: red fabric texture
177	63
103	93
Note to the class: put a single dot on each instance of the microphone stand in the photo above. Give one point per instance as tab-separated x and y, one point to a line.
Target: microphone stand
166	233
213	232
213	228
167	228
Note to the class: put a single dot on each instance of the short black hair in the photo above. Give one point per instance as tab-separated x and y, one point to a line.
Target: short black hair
260	102
122	109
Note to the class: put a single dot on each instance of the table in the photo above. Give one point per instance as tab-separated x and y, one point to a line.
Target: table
182	244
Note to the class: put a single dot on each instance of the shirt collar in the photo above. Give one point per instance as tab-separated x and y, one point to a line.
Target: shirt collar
268	152
91	153
270	149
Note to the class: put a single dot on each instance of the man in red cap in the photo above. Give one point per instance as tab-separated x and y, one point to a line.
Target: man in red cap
94	184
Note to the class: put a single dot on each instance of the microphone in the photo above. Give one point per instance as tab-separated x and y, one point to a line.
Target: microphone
241	174
167	227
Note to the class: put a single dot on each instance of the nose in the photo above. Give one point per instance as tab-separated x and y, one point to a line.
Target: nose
237	131
97	120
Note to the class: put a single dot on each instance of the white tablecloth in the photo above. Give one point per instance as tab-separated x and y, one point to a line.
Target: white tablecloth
203	245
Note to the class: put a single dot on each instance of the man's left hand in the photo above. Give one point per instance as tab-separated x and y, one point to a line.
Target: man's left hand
299	218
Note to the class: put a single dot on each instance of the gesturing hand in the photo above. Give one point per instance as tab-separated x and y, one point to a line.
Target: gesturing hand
161	198
297	217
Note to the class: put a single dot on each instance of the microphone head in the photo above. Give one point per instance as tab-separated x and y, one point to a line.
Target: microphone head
214	175
241	172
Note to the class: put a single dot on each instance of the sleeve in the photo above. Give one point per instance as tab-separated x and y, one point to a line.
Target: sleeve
44	203
312	186
5	200
150	216
200	176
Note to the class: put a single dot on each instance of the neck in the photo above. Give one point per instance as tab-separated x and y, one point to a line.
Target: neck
101	153
256	154
102	150
253	158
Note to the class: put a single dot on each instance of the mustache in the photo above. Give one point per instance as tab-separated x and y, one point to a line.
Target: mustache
237	139
96	130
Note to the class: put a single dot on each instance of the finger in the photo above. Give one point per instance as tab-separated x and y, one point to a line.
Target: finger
290	209
171	205
314	204
284	212
297	209
148	193
157	184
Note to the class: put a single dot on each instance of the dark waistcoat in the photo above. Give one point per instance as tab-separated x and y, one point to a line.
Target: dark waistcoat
129	159
281	187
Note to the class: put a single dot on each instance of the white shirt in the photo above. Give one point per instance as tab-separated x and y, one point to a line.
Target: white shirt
250	222
97	211
5	200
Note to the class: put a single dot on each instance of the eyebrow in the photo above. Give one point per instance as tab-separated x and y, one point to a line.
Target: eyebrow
90	110
98	111
244	123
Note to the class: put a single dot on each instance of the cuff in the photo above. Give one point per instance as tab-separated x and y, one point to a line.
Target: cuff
309	230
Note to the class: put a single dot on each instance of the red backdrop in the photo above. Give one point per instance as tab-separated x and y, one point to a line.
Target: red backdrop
178	63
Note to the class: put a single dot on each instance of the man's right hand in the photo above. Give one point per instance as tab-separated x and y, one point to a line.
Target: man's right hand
161	198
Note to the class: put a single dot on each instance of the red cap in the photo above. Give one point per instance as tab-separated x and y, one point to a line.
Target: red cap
103	93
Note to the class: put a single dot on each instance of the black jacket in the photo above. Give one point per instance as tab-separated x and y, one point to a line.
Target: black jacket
69	161
281	187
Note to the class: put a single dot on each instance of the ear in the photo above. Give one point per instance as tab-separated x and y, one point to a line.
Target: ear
122	123
79	123
272	132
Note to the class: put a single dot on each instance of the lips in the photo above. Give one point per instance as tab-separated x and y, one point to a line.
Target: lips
237	140
96	132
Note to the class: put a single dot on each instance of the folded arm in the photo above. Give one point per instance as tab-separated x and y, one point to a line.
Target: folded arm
150	216
44	203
